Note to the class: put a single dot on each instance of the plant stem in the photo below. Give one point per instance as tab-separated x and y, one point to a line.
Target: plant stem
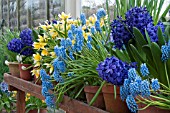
167	75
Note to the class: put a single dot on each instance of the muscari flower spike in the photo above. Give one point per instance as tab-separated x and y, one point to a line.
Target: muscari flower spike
47	84
50	101
155	84
132	74
134	88
93	30
165	53
83	18
57	76
97	26
123	93
44	75
144	88
130	101
144	70
100	13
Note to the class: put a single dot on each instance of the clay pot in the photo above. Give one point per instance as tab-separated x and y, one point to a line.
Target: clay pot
114	105
37	80
14	69
36	111
90	92
25	74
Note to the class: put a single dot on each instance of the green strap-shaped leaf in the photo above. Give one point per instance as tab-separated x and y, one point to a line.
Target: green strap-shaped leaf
160	37
139	37
156	53
137	54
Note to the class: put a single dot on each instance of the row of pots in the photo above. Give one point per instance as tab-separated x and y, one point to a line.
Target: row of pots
17	70
107	101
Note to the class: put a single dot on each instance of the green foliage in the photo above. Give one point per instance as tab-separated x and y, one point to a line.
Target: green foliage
5	54
7	101
34	103
153	6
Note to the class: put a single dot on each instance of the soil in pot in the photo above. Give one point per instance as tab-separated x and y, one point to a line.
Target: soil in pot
90	92
36	111
114	105
25	74
14	69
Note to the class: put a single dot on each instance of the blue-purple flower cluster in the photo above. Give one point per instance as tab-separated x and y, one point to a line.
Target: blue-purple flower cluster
46	86
113	70
138	17
100	13
4	88
119	34
22	45
134	86
165	49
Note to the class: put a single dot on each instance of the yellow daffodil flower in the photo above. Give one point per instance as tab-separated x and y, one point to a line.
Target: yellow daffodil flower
68	27
38	45
41	39
37	64
92	19
36	72
44	52
44	27
53	33
85	35
84	27
63	16
43	101
87	22
37	57
49	66
53	55
73	42
14	93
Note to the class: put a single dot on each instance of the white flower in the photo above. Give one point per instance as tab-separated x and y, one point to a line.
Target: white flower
23	68
6	62
19	58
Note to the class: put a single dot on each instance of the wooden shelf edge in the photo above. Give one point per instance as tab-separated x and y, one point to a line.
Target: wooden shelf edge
68	104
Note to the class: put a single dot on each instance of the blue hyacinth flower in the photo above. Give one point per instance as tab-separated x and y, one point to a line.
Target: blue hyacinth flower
144	70
130	101
155	84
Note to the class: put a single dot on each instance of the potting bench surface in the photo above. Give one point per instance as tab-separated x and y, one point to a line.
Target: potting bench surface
22	87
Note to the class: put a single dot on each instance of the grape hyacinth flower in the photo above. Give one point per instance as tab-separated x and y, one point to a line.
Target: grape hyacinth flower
70	35
132	74
50	101
93	30
44	76
83	18
59	65
47	84
134	89
60	52
57	76
123	93
133	107
165	53
144	70
155	84
70	74
97	26
45	92
144	88
4	87
89	46
73	29
100	13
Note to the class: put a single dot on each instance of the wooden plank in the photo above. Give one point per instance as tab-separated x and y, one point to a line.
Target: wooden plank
47	9
20	101
69	105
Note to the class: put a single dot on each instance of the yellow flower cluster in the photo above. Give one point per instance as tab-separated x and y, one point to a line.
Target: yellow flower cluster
27	97
44	45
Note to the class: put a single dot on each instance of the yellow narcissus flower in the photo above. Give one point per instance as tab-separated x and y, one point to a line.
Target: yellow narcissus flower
53	55
87	22
53	33
64	16
39	45
101	22
43	101
49	66
68	27
14	93
36	72
92	19
73	42
85	35
37	64
37	57
44	27
27	97
84	27
41	39
44	52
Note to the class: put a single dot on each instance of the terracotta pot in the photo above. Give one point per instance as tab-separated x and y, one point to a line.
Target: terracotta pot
25	74
37	80
90	92
114	105
36	111
14	69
